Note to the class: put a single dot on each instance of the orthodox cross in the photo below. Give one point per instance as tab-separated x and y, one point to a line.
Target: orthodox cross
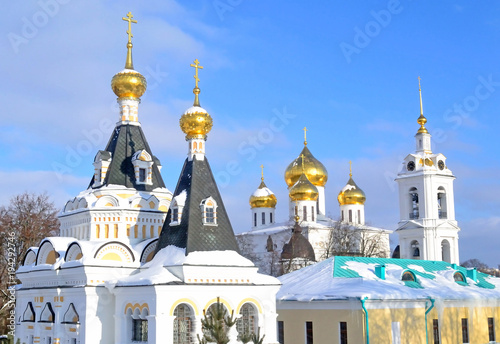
130	21
196	65
305	135
350	168
262	172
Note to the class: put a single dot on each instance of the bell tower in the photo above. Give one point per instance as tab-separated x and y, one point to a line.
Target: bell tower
427	228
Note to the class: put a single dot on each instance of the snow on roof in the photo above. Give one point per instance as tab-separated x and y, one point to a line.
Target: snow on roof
355	277
195	109
181	198
156	271
262	192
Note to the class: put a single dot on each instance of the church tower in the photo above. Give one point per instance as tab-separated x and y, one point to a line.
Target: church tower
197	219
263	203
308	170
427	228
126	199
352	202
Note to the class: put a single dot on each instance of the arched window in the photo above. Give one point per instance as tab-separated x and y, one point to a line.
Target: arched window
414	211
183	324
209	211
415	249
71	316
459	277
29	313
441	200
47	314
195	145
247	323
445	250
140	325
408	276
350	215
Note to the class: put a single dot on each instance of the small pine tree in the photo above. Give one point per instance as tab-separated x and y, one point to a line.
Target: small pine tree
216	324
256	338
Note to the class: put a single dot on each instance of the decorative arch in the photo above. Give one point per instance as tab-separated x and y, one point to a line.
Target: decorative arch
46	254
136	308
29	314
82	203
186	301
107	201
74	252
70	205
47	315
149	251
115	251
71	315
29	257
142	155
221	300
249	300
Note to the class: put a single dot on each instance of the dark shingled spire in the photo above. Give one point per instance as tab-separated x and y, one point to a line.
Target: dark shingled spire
125	140
298	246
197	180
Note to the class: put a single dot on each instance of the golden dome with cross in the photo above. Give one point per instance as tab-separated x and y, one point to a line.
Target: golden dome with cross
263	197
196	122
314	170
129	83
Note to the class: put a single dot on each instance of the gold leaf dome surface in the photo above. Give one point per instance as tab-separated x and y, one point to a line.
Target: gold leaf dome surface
129	83
303	190
263	197
196	123
314	170
351	194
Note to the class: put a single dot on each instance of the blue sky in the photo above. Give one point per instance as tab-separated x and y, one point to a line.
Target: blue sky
345	69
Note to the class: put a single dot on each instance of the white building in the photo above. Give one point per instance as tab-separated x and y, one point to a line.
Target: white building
110	277
427	229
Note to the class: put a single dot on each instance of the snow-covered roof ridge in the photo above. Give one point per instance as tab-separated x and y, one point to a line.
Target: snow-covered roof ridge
355	277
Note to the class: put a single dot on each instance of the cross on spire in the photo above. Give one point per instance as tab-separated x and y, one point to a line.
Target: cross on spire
197	66
305	136
130	21
350	168
262	172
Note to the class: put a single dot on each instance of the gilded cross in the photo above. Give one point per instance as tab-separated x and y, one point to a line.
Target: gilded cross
196	65
418	83
305	135
350	168
262	171
130	21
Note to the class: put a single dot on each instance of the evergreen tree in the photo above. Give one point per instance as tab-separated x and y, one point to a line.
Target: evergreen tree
216	324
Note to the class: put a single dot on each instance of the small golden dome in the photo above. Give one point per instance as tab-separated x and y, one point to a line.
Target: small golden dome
351	194
196	123
303	190
129	83
263	197
314	170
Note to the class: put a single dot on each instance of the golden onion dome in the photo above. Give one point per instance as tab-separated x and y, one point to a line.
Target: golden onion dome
129	83
314	170
303	190
351	194
263	197
196	122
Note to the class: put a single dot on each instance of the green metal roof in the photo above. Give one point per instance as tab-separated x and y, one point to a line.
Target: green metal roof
342	270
